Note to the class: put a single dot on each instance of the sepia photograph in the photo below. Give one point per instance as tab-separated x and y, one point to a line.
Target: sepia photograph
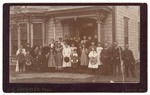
70	44
74	44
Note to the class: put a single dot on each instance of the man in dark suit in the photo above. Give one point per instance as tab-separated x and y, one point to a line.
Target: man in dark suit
105	59
116	58
128	61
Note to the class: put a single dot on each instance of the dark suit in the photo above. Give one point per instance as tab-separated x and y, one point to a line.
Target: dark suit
116	59
105	59
128	60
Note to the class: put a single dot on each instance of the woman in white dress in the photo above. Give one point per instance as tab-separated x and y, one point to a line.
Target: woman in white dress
99	49
93	63
66	54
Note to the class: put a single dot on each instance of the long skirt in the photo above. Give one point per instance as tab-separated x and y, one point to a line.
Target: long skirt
59	60
84	60
51	61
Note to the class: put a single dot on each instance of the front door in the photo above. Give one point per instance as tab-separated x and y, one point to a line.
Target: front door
87	27
80	27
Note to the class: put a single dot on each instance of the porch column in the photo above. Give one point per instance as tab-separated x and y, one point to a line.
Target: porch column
28	31
100	17
19	42
54	30
43	32
10	44
31	34
99	30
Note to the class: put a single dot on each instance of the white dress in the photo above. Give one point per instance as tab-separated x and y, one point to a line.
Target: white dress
93	54
99	49
66	53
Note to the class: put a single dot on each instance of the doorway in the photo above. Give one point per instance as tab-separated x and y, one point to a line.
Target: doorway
87	27
80	27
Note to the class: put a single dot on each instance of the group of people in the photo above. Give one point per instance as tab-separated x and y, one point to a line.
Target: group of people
74	53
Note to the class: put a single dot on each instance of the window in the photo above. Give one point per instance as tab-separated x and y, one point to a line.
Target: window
14	39
37	34
126	30
23	33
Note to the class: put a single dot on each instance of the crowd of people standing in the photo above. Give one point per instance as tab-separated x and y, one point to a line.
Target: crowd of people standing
73	53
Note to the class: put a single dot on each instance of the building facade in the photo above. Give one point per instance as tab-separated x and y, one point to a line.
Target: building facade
37	25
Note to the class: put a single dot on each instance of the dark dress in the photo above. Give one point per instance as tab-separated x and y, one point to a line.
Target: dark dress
84	57
40	63
45	51
128	60
59	57
44	66
51	60
34	64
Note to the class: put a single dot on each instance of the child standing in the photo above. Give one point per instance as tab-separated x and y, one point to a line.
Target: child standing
74	59
93	63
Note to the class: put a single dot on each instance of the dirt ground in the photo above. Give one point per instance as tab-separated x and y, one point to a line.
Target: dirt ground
80	76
